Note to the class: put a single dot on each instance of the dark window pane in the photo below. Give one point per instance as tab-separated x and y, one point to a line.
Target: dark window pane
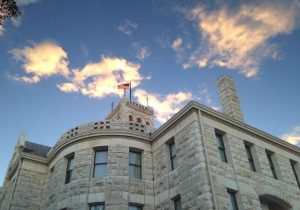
293	164
222	155
231	201
101	157
177	204
70	163
135	171
219	140
269	156
221	147
100	170
172	149
131	207
250	157
97	207
70	168
174	162
135	158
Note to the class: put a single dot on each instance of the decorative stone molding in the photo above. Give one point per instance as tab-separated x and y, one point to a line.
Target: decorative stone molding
272	194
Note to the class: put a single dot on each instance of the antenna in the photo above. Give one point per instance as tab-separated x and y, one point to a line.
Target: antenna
112	106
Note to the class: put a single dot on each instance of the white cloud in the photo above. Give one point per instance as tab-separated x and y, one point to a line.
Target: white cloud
293	137
100	79
240	39
41	60
16	21
26	2
142	52
177	43
2	30
95	79
164	106
127	27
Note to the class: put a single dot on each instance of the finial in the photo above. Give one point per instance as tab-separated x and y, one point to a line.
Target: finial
22	139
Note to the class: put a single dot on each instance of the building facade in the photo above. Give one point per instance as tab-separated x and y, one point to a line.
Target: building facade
199	159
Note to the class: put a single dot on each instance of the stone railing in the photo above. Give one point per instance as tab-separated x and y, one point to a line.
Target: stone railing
102	127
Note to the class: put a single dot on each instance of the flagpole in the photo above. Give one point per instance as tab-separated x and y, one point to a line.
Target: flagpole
130	90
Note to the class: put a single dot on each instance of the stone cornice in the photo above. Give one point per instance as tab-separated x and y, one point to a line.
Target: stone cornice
223	117
103	133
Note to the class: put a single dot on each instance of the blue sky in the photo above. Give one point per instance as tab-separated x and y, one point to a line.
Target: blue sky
62	60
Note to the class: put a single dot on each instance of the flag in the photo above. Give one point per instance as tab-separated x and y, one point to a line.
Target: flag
125	86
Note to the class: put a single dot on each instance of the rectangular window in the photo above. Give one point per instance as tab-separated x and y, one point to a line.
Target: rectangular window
134	207
221	147
173	155
177	203
231	200
97	206
135	164
100	163
249	156
293	164
269	156
70	169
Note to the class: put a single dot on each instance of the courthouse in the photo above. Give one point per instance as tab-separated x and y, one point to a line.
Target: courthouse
200	159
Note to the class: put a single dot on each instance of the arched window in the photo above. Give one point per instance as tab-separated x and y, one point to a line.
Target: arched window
130	118
147	123
139	120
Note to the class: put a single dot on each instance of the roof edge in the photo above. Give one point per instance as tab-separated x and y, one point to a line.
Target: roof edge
193	104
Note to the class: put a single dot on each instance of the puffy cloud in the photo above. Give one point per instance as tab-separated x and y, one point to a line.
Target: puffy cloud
176	43
68	87
240	38
179	48
164	106
41	60
127	27
100	79
142	52
293	137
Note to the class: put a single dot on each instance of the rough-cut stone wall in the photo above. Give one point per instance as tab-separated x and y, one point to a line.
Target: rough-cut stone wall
116	189
190	179
236	174
29	186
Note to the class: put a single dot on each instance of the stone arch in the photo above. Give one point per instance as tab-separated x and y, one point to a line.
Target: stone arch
139	120
130	118
270	202
273	199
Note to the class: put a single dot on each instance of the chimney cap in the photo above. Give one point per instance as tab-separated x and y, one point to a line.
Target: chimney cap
223	76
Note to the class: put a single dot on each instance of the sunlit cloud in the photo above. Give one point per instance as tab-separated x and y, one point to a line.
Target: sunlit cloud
176	43
293	137
41	60
141	52
101	78
241	38
165	106
127	27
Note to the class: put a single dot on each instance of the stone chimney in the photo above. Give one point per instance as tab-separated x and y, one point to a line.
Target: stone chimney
229	99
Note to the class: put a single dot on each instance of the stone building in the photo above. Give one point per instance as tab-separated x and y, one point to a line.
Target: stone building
199	159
